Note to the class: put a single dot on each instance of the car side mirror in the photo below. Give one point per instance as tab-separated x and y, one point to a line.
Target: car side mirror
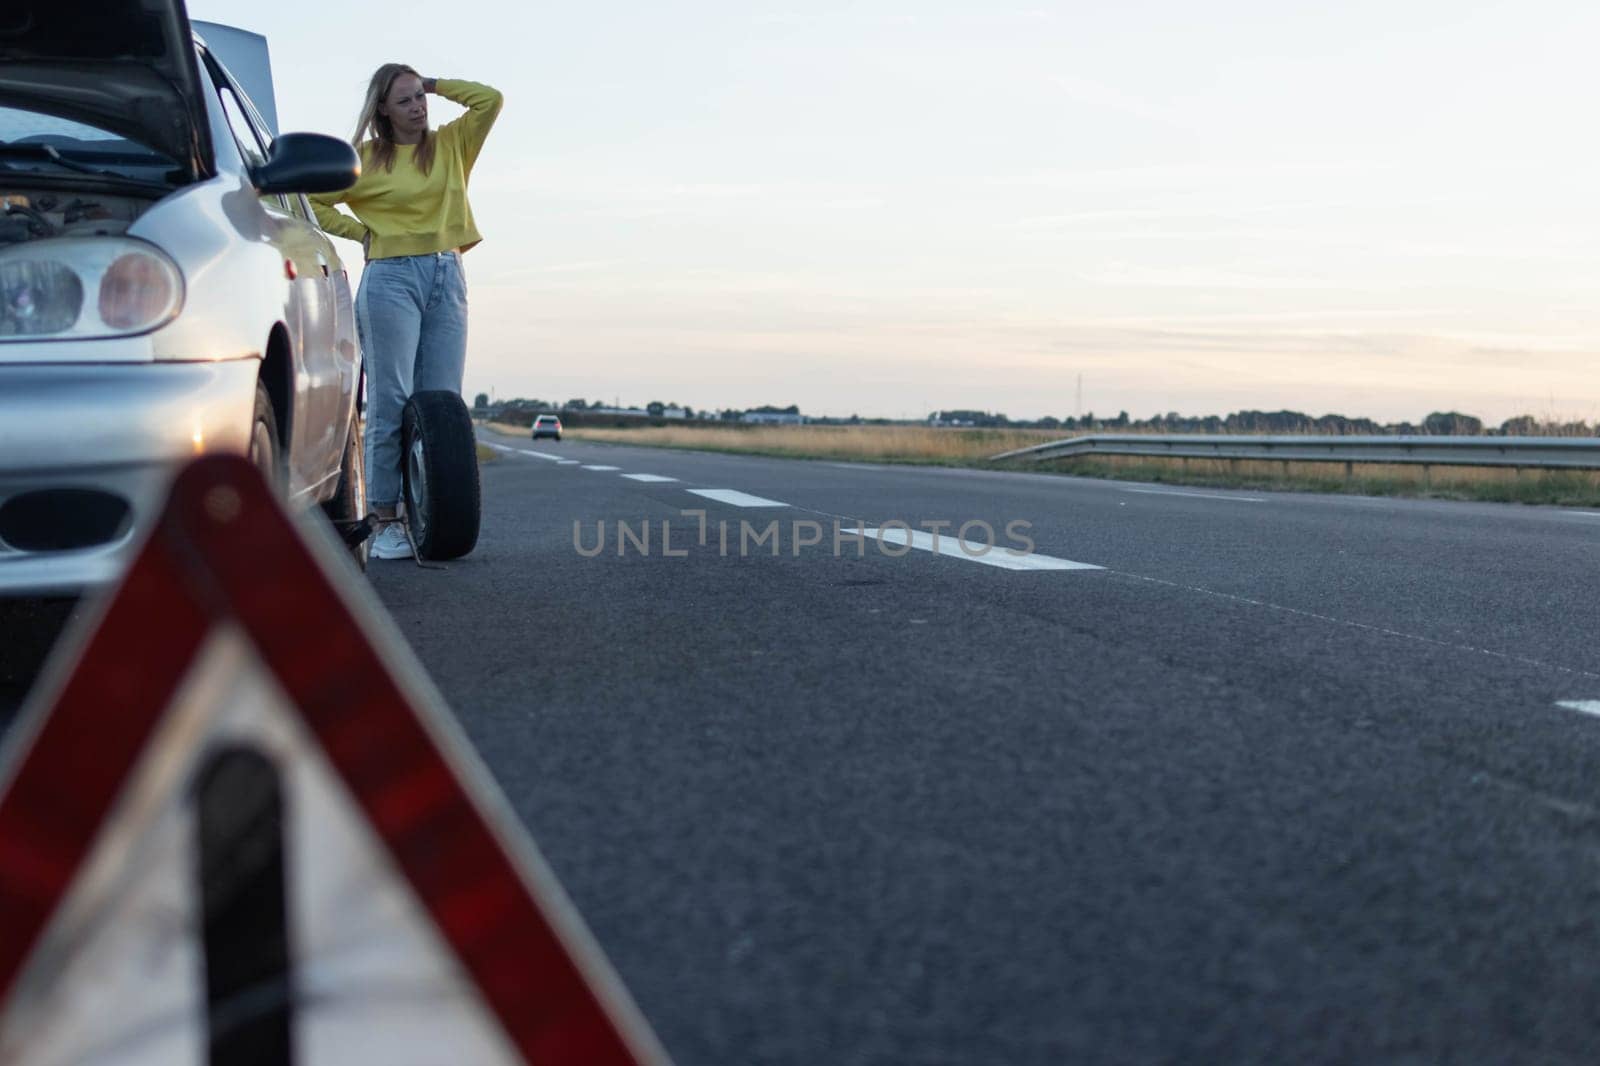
307	162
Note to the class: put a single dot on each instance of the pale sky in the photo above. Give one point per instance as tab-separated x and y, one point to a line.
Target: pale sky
1372	208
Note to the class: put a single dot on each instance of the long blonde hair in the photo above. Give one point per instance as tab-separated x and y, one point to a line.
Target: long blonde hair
381	129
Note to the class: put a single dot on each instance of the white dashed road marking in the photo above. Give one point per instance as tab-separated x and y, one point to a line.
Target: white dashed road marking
737	499
1197	495
648	477
948	545
539	455
602	468
1586	706
566	462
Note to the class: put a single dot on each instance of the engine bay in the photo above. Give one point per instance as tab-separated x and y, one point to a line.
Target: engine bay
30	216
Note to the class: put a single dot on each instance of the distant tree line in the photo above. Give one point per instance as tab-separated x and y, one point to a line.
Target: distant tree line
655	409
1437	424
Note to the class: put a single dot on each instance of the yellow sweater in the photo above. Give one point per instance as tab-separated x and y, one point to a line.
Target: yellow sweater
405	211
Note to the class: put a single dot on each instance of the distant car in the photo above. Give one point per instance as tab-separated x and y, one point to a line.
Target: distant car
164	288
547	426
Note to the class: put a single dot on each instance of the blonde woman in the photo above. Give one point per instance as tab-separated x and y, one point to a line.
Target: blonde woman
413	221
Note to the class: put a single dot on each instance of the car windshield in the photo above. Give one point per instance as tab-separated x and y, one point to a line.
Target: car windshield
36	143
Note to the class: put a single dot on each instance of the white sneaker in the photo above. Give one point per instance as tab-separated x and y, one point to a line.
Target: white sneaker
390	543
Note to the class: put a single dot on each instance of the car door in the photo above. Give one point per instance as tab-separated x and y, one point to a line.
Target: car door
322	371
344	349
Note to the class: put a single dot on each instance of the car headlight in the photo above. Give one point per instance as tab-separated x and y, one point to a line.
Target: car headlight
73	287
38	298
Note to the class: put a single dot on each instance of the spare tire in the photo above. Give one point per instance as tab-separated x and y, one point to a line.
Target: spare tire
440	462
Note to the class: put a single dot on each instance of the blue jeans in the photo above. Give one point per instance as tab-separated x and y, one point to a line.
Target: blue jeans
411	314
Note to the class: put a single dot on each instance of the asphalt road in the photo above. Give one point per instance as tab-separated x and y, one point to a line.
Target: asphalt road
1286	779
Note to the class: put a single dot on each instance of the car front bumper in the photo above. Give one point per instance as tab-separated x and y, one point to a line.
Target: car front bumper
119	430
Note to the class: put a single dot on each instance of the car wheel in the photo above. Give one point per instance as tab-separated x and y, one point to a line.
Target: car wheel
440	464
265	448
348	507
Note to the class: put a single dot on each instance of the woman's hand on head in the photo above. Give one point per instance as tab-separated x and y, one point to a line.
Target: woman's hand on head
428	84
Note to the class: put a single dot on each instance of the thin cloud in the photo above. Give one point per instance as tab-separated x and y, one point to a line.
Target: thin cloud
1127	276
1187	175
1105	97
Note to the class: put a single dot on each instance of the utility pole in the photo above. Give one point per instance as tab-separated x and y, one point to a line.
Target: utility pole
1078	412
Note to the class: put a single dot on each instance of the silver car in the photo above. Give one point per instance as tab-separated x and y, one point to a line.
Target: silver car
164	288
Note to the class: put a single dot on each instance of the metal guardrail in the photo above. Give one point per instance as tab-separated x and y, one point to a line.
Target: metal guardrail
1561	453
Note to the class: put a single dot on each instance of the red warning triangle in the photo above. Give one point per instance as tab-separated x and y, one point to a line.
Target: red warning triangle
242	814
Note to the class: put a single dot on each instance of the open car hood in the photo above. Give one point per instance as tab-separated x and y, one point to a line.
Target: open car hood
124	65
247	59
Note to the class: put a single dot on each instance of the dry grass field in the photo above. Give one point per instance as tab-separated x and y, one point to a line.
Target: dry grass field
906	444
972	447
1570	488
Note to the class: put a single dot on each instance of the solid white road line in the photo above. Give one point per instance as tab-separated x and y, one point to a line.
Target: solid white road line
996	556
539	455
1197	495
737	499
602	468
1586	706
648	477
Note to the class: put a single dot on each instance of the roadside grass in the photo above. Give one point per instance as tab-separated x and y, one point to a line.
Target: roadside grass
1566	488
487	454
927	446
875	444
